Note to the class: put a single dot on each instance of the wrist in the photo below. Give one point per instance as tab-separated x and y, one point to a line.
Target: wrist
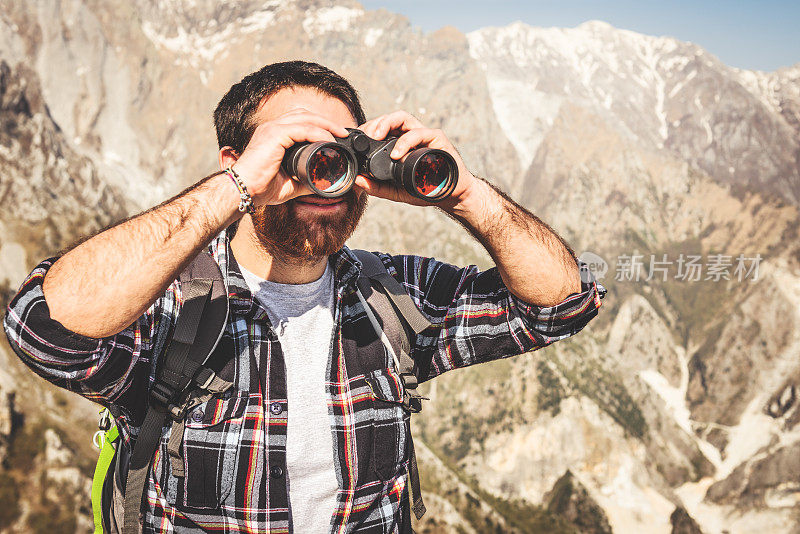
225	198
245	200
251	178
474	201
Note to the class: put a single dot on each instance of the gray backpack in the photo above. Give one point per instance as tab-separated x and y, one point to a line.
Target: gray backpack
183	381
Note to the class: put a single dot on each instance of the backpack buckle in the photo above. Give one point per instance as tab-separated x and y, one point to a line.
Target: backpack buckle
204	377
161	394
177	412
105	420
414	404
412	400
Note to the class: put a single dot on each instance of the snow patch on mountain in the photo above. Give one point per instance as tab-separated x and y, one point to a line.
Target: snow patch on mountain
330	19
11	48
762	85
524	114
719	519
199	47
626	501
372	36
757	433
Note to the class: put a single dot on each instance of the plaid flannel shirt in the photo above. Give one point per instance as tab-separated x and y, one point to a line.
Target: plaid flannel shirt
234	444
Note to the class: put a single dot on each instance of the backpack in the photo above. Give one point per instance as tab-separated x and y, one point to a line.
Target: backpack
183	380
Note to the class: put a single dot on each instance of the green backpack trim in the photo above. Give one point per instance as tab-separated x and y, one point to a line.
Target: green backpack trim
107	451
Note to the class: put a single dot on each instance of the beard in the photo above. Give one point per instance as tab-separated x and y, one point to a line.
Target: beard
283	233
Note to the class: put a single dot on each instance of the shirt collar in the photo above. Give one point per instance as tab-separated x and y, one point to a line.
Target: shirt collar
346	270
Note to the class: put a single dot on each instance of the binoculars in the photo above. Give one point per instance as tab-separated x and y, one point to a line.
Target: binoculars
329	168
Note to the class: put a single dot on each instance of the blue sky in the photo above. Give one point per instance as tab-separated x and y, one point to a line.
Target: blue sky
752	35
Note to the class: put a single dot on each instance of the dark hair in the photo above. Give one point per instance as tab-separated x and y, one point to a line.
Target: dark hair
233	117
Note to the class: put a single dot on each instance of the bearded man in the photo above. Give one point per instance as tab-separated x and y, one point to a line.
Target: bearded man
293	446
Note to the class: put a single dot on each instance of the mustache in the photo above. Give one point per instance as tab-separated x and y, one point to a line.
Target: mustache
350	197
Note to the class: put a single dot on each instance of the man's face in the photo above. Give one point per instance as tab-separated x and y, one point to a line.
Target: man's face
308	227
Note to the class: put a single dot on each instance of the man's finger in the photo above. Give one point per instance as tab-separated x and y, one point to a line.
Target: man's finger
310	118
413	139
298	133
398	120
377	188
299	188
380	127
370	126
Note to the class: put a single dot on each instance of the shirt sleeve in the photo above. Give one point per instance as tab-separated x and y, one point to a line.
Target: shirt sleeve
113	370
477	319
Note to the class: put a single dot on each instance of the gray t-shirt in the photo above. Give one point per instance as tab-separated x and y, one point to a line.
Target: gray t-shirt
302	315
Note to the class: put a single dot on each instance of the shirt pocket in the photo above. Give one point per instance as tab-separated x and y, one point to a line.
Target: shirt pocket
389	422
211	443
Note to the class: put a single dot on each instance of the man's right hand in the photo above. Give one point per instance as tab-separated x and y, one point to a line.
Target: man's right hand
259	165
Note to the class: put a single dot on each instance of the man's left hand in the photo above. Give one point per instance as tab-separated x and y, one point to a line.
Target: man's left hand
413	134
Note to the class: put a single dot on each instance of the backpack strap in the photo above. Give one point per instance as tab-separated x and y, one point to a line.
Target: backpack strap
205	302
397	311
379	290
108	436
373	268
216	386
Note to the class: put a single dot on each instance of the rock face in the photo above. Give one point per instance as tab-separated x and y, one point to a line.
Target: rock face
676	410
51	196
682	523
50	193
64	482
769	479
569	499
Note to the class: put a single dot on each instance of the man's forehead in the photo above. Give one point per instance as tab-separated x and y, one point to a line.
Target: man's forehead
305	98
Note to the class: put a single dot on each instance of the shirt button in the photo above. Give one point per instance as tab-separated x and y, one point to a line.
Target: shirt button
197	416
275	408
276	471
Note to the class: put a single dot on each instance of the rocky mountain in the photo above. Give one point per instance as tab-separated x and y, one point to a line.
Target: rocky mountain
675	411
739	127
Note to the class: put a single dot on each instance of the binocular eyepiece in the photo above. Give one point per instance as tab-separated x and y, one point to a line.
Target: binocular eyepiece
330	168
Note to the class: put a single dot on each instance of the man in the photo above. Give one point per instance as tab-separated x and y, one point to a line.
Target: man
306	442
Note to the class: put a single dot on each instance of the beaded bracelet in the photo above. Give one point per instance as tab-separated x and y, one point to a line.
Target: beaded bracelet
246	202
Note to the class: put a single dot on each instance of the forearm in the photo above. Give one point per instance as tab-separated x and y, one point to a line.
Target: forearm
102	285
534	262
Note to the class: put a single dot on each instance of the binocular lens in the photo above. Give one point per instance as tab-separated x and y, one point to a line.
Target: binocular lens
328	169
431	174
